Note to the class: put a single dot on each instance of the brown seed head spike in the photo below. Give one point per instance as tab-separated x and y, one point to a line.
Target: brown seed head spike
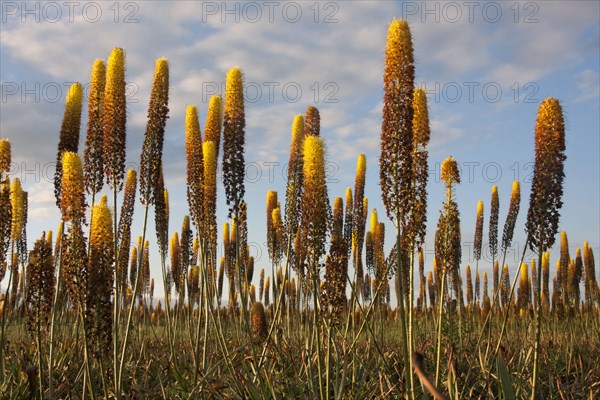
234	128
338	217
93	157
124	229
395	162
295	180
421	134
590	274
195	167
5	223
312	125
22	241
161	215
494	210
545	201
40	284
469	285
447	237
5	156
133	265
114	116
348	226
259	321
478	231
273	245
336	271
152	149
450	174
214	121
511	217
185	245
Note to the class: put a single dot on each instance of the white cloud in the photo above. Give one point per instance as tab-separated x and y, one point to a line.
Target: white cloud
588	84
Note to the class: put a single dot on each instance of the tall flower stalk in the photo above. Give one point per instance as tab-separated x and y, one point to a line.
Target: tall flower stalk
75	255
114	115
447	246
477	244
40	291
493	232
396	158
418	214
358	223
314	223
545	200
151	192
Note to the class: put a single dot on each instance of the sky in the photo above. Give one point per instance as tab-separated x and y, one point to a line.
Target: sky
486	67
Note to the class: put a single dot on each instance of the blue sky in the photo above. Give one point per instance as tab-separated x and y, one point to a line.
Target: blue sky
485	65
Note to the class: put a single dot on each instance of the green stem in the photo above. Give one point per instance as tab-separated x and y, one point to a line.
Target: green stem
86	351
317	330
132	305
116	319
39	351
439	332
510	297
410	318
538	327
406	358
53	323
10	276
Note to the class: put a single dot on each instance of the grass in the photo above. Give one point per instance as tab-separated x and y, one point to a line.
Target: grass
372	368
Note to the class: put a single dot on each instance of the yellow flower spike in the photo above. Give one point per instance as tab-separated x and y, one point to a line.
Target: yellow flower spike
101	274
18	213
396	143
214	121
547	184
102	226
421	130
450	173
210	197
338	217
72	202
373	222
69	132
314	171
297	131
314	219
5	155
114	116
478	231
277	225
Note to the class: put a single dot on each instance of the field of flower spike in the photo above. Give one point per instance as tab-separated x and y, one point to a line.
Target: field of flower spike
78	313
